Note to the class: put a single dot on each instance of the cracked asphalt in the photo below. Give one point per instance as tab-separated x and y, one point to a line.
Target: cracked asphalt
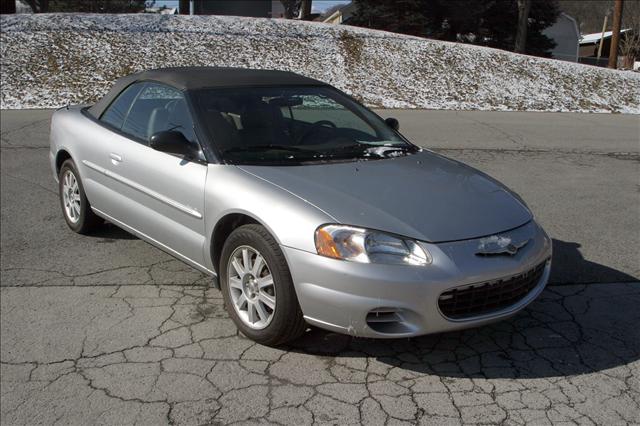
106	329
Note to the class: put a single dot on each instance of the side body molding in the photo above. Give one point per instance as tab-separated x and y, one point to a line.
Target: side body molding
185	209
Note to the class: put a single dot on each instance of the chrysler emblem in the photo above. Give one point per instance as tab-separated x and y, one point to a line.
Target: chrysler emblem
498	244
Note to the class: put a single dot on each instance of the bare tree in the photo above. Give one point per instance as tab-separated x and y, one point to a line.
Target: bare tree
524	6
38	6
589	14
630	40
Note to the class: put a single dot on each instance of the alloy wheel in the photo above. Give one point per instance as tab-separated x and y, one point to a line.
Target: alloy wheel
71	196
251	287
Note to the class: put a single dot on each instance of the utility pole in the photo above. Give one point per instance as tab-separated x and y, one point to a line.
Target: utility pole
305	10
524	6
615	36
604	29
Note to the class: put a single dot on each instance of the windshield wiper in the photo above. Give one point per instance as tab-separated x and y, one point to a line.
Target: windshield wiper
260	148
383	150
366	150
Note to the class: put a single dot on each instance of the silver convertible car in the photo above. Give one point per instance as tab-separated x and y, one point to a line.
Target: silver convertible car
303	205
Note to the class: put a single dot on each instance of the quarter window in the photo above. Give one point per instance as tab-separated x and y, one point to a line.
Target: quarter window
117	111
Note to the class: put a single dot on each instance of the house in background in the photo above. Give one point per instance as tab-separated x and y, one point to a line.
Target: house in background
252	8
163	10
590	44
566	35
341	15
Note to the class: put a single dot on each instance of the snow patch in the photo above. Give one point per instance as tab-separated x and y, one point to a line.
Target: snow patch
51	60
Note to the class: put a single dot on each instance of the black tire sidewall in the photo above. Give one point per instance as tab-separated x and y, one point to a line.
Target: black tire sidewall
81	225
287	308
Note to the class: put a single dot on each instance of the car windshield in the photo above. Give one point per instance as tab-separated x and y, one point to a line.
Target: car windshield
295	125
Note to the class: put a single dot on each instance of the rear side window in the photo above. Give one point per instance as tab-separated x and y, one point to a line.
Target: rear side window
116	113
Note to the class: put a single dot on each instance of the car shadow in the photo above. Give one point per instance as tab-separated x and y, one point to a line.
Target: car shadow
568	330
109	232
570	267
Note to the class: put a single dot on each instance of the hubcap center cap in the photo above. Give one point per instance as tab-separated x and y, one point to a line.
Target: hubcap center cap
250	286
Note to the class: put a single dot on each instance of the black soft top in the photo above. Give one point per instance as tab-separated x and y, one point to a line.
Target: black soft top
193	78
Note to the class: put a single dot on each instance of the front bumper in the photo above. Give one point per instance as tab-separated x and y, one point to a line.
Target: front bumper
349	297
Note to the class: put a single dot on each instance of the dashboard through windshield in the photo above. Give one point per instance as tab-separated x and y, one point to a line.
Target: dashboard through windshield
294	125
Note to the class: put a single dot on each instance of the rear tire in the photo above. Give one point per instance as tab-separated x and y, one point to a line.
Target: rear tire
73	200
257	287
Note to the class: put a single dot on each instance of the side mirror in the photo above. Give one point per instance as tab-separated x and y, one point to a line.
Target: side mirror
393	123
172	142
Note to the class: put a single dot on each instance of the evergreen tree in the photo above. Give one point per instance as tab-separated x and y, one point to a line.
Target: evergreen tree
95	6
398	16
291	8
491	23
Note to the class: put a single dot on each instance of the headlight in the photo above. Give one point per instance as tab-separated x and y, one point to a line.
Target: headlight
367	246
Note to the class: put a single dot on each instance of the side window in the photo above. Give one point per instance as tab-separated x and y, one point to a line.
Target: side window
117	111
158	108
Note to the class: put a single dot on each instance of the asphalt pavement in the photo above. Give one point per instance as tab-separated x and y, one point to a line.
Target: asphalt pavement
108	329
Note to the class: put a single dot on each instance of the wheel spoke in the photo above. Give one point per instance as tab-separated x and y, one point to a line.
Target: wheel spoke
76	207
267	299
251	313
262	313
239	269
265	281
257	265
241	301
235	282
246	260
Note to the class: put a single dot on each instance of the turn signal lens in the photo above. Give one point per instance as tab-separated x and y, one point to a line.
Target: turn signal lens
368	246
325	244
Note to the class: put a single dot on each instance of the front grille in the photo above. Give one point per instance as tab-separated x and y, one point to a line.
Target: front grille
490	296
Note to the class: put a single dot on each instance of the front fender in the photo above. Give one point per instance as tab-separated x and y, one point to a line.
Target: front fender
291	220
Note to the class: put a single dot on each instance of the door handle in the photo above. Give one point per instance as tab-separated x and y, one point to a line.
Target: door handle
115	158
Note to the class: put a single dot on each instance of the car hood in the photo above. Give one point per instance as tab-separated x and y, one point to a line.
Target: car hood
424	196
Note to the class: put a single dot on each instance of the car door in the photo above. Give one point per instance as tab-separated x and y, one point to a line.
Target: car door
98	135
159	195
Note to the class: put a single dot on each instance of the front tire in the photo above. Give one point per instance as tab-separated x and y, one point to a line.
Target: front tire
73	200
257	287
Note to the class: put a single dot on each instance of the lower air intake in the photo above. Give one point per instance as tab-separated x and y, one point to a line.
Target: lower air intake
386	320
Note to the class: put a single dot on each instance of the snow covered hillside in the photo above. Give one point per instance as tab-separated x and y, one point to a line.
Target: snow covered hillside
56	59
